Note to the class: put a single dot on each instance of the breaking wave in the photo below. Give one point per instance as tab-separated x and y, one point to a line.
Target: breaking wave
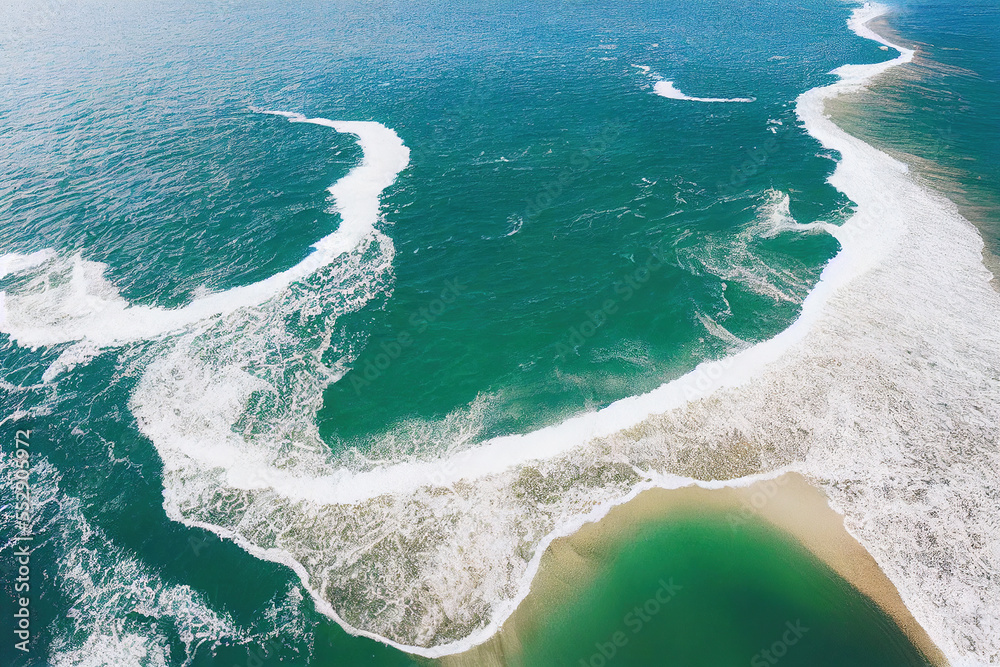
667	89
884	392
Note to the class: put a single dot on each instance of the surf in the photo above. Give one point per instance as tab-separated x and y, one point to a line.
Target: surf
89	307
665	88
232	416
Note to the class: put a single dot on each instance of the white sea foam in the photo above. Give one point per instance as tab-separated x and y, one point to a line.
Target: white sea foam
667	88
775	217
87	307
70	358
719	331
15	262
885	391
827	397
516	222
738	258
118	607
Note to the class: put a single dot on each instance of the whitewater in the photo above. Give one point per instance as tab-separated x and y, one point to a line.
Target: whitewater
667	89
885	392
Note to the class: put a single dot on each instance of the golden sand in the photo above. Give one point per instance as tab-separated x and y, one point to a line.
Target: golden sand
789	503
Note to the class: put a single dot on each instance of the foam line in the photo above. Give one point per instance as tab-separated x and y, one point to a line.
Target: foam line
861	249
667	89
16	262
867	240
92	310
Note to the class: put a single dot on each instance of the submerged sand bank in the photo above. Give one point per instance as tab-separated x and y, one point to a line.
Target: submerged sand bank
881	114
789	503
890	408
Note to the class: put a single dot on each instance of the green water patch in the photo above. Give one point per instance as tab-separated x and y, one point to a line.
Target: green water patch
700	592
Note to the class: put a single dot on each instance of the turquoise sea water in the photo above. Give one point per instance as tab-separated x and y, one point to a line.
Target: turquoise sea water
703	590
559	238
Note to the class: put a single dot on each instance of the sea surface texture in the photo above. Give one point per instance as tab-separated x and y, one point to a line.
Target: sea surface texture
346	309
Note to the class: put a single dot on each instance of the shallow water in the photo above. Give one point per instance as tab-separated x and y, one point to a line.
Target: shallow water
708	590
559	237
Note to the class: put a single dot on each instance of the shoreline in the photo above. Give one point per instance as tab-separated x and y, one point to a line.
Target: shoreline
829	540
788	503
850	110
872	241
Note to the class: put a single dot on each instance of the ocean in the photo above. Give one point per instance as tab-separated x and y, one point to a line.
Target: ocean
324	319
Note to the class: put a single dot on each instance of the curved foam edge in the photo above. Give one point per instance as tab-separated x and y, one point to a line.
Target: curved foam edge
99	315
859	252
666	88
